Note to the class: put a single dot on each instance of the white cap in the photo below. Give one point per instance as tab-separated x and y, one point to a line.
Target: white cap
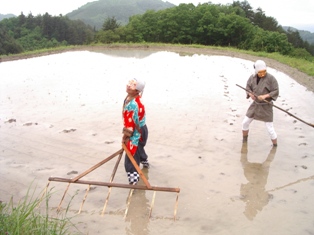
140	85
259	66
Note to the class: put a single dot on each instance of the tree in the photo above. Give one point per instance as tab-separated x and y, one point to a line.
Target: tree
265	22
271	42
295	38
108	36
110	24
246	7
7	43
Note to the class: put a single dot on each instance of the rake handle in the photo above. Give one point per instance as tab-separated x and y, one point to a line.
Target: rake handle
128	153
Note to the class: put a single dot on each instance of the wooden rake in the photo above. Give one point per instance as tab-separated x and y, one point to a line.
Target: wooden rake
111	184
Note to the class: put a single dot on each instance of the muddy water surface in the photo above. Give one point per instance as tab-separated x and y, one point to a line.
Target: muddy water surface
61	114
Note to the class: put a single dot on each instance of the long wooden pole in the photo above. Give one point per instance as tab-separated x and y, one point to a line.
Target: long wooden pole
307	123
117	185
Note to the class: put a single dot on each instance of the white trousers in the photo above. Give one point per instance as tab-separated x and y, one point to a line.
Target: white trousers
269	126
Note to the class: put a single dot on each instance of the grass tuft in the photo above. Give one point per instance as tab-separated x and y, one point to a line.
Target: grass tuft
27	218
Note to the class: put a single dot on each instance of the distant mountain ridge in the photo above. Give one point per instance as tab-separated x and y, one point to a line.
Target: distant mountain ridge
6	16
305	35
95	13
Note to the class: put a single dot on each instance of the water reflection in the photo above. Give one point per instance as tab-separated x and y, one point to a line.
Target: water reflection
126	53
138	211
253	193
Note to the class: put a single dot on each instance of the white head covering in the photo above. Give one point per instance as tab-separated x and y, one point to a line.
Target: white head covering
259	65
140	85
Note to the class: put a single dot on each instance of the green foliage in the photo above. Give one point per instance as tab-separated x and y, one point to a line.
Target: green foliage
233	25
271	42
110	24
305	35
108	36
25	218
32	33
301	53
245	8
265	22
7	43
206	24
295	38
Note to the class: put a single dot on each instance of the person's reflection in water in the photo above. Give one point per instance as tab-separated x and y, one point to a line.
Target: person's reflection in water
138	211
253	193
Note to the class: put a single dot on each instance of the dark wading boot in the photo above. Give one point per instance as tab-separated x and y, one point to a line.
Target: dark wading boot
274	142
245	136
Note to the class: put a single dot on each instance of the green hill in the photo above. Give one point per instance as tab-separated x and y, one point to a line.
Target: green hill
95	13
305	35
6	16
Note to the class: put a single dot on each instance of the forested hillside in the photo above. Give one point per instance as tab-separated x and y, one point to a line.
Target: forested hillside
94	13
27	33
305	35
234	25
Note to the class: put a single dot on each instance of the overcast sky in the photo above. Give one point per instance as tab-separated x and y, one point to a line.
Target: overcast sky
298	14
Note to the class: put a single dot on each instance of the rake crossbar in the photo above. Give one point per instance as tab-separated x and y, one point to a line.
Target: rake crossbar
146	186
117	185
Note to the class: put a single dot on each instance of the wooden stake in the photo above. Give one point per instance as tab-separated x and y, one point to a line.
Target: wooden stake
152	205
106	202
111	179
63	197
85	196
128	203
175	208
